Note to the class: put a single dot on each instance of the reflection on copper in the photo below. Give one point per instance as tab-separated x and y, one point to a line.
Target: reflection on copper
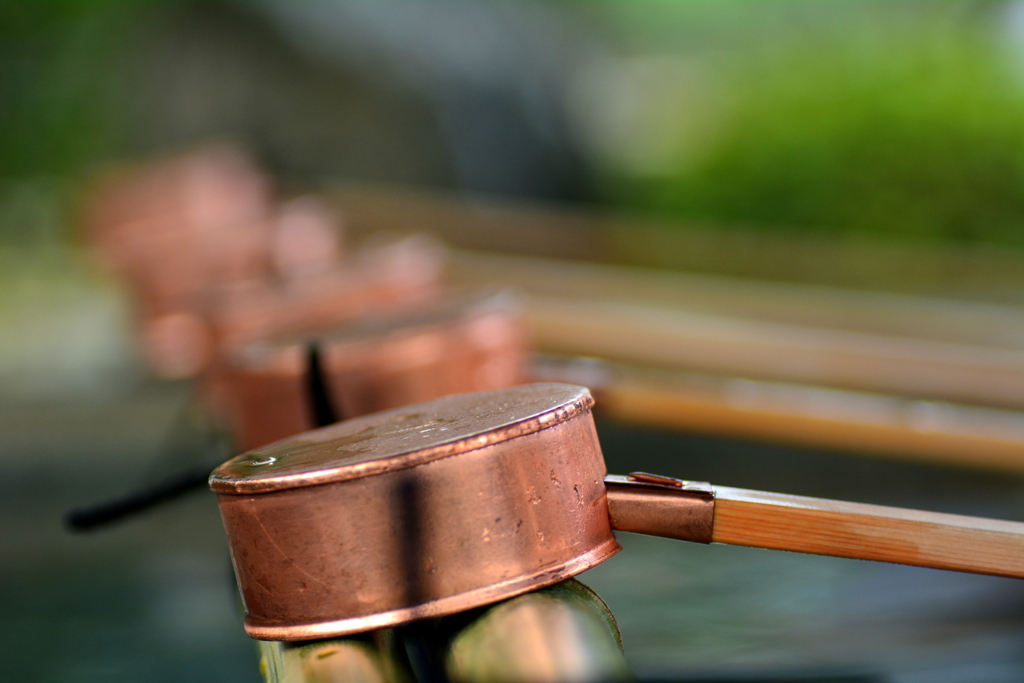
307	239
178	344
461	343
444	506
179	226
255	310
509	497
465	346
214	264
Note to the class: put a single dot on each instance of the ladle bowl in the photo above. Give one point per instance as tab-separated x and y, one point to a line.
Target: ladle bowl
463	501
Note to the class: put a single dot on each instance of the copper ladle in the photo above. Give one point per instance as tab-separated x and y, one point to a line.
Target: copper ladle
444	506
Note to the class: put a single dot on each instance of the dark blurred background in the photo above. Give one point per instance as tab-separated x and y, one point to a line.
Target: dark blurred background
874	146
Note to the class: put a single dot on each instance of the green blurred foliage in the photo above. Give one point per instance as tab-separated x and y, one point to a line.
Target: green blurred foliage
63	103
65	106
903	119
849	116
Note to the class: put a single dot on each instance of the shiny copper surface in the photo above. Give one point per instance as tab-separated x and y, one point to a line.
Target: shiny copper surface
267	402
661	506
399	276
180	225
462	343
416	512
214	262
469	343
443	506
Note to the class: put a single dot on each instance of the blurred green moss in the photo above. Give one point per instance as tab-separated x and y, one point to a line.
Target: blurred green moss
63	99
902	119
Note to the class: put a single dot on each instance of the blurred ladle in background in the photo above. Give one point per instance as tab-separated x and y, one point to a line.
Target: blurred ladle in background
284	385
459	502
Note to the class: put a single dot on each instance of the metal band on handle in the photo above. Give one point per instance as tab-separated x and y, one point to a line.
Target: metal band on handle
661	506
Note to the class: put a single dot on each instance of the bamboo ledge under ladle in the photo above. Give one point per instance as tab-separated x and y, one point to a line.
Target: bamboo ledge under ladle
453	504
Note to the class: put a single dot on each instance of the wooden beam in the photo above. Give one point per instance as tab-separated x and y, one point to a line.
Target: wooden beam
815	417
567	231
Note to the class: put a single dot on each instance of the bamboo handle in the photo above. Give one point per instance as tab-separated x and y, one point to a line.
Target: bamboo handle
822	527
868	532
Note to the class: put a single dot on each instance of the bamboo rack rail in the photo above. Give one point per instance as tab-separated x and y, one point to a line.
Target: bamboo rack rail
827	366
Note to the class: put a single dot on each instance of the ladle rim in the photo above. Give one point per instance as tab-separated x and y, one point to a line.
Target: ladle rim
225	480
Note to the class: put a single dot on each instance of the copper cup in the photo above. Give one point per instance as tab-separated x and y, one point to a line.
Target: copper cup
444	506
415	513
468	341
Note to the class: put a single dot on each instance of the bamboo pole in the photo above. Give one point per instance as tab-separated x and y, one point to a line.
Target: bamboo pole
759	519
868	532
563	632
817	417
912	346
567	231
641	334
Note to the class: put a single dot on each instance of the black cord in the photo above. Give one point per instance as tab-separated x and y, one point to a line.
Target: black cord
89	518
316	384
192	435
196	476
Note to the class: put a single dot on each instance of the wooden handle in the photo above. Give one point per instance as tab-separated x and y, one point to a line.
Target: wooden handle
660	506
868	532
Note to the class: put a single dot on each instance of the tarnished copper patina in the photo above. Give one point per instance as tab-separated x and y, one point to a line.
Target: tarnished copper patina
416	512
